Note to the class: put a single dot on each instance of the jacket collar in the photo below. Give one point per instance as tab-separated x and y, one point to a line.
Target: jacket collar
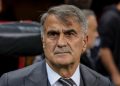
87	77
38	77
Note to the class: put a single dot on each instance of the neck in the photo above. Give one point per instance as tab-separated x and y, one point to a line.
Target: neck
66	71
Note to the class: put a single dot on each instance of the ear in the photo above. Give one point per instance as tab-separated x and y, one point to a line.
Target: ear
85	41
43	42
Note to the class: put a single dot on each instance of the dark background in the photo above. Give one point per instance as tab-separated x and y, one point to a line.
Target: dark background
32	9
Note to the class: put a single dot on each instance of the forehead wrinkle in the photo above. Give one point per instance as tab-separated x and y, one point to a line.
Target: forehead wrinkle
64	26
66	20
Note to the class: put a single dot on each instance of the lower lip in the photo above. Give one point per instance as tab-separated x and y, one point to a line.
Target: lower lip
61	54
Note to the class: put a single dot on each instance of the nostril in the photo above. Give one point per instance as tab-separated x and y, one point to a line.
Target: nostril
61	45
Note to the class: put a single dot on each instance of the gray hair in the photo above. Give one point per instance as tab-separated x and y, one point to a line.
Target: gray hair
65	12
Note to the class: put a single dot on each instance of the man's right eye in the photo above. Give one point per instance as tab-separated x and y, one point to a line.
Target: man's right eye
52	34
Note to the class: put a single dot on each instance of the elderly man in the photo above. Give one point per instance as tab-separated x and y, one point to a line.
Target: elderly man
64	38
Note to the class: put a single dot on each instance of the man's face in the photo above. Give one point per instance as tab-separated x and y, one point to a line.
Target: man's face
63	44
92	31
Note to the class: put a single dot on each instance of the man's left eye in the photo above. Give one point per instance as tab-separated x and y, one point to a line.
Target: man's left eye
70	34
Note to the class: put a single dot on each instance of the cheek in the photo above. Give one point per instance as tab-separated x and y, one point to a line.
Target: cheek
77	50
78	46
50	45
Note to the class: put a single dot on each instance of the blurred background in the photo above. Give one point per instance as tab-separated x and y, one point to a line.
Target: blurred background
11	10
20	43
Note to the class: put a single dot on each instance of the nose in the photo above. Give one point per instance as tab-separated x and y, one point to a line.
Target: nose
62	42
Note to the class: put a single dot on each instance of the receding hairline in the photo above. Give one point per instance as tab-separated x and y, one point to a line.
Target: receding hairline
64	11
66	22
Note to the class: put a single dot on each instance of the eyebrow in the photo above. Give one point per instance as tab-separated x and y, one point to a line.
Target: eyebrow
64	31
70	30
53	31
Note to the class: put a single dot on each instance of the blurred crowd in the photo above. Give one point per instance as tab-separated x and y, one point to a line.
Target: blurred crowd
20	34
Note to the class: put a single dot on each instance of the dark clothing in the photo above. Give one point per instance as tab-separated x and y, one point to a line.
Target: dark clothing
36	75
109	31
87	60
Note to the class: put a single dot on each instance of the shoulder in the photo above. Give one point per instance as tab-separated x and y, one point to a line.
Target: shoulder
92	76
19	75
24	71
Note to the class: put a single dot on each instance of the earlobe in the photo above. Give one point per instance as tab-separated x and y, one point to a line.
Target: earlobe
84	48
42	38
85	44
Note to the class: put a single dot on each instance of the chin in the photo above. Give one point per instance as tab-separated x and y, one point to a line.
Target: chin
63	59
65	56
64	62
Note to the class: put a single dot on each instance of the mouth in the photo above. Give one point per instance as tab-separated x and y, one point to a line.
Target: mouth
62	53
